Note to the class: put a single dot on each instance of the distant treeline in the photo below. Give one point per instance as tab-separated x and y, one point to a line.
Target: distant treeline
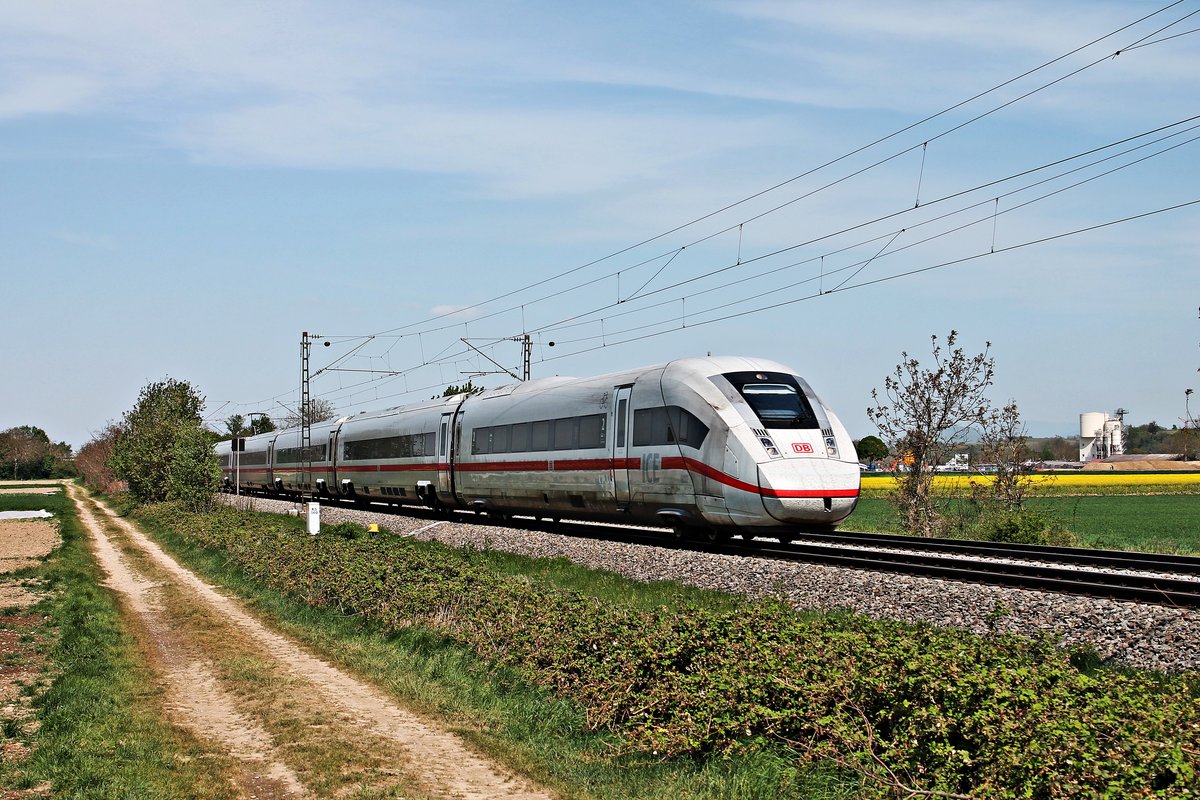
26	453
1154	438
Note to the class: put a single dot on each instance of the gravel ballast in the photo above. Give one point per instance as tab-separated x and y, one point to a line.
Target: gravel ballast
1137	634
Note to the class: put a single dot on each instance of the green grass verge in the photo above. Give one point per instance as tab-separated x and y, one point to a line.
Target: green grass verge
564	574
101	734
543	736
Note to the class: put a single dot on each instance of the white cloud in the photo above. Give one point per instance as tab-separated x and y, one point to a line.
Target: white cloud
459	312
474	92
90	241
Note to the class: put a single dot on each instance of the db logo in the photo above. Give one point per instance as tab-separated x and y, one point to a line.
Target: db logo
802	447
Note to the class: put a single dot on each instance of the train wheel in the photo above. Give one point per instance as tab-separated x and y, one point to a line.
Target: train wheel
716	536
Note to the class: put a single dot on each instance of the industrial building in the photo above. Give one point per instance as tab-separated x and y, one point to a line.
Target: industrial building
1101	435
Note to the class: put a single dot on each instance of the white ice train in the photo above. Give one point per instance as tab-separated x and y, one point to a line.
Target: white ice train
715	445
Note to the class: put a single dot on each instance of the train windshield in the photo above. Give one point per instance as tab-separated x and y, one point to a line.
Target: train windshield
776	399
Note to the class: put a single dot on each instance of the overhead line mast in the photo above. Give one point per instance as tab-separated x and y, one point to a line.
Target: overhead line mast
305	410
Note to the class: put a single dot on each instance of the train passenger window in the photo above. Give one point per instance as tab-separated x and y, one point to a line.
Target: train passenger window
621	411
591	431
650	427
539	435
519	443
564	433
296	455
667	425
500	439
408	445
688	430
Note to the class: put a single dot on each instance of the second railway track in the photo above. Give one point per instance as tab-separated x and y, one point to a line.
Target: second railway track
1161	579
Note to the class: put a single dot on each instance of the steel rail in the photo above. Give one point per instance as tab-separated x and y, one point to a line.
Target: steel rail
1156	589
1114	559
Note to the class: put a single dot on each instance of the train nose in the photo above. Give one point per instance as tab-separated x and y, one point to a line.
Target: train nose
809	491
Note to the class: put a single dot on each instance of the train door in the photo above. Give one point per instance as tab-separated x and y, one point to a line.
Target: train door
445	478
621	441
331	484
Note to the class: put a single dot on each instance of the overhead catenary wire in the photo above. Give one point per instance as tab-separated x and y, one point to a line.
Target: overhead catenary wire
908	273
442	356
829	163
907	211
662	327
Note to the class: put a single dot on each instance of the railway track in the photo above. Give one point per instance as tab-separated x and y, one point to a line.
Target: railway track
1154	578
1113	580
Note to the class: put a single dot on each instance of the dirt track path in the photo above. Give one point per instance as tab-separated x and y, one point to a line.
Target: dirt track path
303	728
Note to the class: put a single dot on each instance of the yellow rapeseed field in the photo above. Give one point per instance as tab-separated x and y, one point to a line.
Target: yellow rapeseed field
1084	482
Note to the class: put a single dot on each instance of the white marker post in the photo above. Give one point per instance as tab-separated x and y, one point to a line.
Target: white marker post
314	519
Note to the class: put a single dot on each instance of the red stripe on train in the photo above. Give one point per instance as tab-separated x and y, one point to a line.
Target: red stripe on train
585	464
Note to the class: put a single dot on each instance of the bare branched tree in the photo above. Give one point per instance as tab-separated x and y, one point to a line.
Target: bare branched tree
1190	432
27	452
924	415
1004	443
317	410
92	460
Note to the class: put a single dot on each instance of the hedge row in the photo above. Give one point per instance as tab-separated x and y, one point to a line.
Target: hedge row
910	707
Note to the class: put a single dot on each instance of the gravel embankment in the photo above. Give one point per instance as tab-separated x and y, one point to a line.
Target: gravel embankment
1145	636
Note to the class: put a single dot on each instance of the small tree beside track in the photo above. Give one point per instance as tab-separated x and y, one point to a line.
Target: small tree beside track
162	450
924	415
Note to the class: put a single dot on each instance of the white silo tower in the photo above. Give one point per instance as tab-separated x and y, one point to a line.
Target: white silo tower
1100	436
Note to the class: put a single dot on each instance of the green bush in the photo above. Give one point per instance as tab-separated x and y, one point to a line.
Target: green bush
157	447
913	708
193	472
1022	526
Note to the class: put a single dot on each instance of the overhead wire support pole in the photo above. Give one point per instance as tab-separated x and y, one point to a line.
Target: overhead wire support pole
527	356
305	426
503	368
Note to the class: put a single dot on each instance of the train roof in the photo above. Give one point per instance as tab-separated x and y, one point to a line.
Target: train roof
698	366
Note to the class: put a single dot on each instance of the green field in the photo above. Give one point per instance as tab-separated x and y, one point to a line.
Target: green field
1156	523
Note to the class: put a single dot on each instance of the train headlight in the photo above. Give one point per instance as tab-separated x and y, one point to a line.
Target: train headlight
831	447
770	447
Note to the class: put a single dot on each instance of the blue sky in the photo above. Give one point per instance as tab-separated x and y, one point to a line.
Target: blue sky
187	186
